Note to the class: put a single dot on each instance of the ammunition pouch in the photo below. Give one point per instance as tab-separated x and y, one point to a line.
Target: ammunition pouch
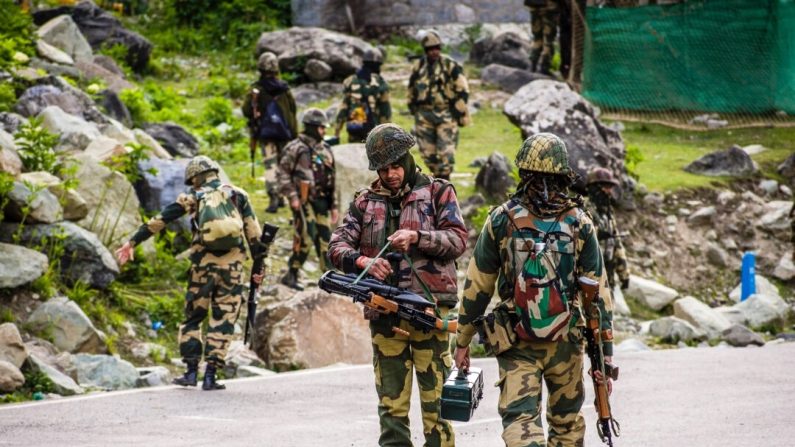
497	331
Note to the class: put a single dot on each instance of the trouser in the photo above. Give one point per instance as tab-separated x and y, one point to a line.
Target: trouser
219	292
271	153
544	26
559	365
311	226
394	358
437	138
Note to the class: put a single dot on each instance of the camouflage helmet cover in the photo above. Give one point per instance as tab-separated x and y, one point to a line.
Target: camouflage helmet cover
373	55
199	165
314	117
386	144
600	175
268	62
431	39
544	152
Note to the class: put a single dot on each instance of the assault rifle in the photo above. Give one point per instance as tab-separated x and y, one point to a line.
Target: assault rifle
252	141
386	299
268	234
606	426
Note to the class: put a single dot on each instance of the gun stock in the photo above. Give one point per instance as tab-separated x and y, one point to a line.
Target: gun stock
268	235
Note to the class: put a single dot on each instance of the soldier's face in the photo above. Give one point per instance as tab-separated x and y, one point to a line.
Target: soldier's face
392	176
433	53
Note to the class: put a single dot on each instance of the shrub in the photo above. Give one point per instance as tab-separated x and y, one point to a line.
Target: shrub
36	147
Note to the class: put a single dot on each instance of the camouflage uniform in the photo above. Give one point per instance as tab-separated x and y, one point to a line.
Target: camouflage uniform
498	257
429	207
366	100
544	16
600	208
792	220
215	283
437	97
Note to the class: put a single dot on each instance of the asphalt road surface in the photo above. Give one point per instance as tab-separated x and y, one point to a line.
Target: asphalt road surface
707	397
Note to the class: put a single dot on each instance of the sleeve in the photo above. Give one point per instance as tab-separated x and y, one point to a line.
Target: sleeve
411	94
344	112
332	193
246	108
343	247
384	106
460	97
185	204
290	116
448	240
284	173
590	265
251	226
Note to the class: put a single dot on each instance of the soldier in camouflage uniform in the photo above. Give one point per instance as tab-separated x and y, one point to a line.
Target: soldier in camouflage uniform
365	102
269	88
540	223
544	16
438	95
601	184
419	216
216	279
306	177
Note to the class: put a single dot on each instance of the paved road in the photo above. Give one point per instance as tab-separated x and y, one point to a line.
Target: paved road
710	397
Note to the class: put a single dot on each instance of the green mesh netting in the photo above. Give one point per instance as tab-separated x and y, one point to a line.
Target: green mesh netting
728	56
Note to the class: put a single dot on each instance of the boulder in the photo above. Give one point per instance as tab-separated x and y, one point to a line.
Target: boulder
734	162
620	305
701	316
717	256
37	98
153	376
84	257
317	70
509	79
52	53
735	316
90	70
352	173
154	147
71	329
75	132
785	269
11	377
103	149
650	293
787	169
703	216
114	107
147	351
117	131
40	206
9	159
174	138
252	371
62	33
33	73
105	372
631	345
239	357
763	287
74	207
160	183
776	216
495	179
551	106
19	266
306	94
62	384
12	350
304	332
103	29
760	310
294	46
109	64
508	49
740	336
674	330
10	121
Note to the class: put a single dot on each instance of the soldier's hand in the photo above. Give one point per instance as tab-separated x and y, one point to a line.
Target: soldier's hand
257	278
462	358
335	215
125	253
295	203
625	284
379	270
402	239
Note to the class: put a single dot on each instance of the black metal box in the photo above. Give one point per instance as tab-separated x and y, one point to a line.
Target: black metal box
461	394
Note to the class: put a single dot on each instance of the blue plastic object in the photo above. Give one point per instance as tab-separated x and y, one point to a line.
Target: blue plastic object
748	275
157	325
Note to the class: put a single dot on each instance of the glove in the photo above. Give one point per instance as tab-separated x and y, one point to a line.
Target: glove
370	314
625	284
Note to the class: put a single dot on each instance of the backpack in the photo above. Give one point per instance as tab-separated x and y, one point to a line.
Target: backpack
272	125
218	220
543	306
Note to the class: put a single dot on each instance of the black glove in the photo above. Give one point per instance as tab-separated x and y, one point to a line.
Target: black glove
625	284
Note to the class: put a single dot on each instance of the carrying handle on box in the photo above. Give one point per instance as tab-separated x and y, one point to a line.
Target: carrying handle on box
462	374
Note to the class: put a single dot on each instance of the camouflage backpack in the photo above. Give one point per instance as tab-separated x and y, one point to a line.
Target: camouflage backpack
218	219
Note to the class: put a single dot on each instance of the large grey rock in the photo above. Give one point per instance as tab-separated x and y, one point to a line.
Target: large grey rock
509	79
763	287
91	70
776	216
105	372
733	162
53	90
84	257
740	336
32	206
62	32
631	345
174	138
761	310
620	305
735	316
239	357
114	106
62	383
19	266
294	46
71	329
156	190
147	351
10	121
703	216
317	70
787	169
703	317
252	371
75	132
650	293
9	159
103	149
52	53
147	141
153	376
717	256
11	377
551	106
785	269
494	180
74	207
352	173
12	349
306	94
508	49
673	330
290	334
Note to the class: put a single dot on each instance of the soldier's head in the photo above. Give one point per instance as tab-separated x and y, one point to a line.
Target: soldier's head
268	64
388	154
199	170
315	123
432	44
543	163
601	181
372	59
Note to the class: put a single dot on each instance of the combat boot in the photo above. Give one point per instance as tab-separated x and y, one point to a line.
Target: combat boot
290	279
544	67
276	202
190	377
209	383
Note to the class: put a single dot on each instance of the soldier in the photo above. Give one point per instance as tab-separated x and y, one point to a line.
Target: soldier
535	247
306	178
544	15
270	109
222	218
601	186
420	219
792	221
365	102
438	94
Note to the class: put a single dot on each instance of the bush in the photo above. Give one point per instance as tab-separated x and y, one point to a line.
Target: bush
8	97
36	147
16	33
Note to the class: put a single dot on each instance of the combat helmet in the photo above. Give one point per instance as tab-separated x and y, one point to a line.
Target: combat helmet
199	165
373	55
314	117
431	39
600	175
268	62
386	144
544	152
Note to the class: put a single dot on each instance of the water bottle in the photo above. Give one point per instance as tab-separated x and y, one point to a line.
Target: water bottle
748	275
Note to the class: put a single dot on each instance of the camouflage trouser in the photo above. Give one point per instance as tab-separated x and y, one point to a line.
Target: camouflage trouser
271	152
394	357
615	259
437	138
521	371
311	226
544	26
219	292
